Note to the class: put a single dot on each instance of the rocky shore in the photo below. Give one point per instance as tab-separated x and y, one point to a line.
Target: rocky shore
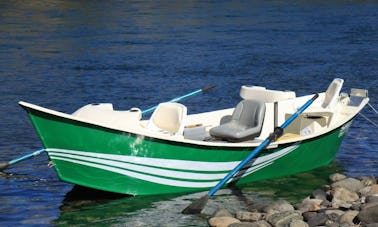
345	202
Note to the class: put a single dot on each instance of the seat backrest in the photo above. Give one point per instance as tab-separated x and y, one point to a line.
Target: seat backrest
168	117
332	93
249	113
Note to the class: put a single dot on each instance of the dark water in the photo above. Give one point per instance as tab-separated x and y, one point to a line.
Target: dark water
64	54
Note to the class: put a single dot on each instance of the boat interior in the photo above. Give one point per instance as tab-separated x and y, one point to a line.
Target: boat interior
251	120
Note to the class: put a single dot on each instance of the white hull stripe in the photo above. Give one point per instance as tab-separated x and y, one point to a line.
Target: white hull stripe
134	169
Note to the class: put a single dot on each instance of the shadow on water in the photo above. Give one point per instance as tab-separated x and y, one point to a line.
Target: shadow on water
80	197
85	205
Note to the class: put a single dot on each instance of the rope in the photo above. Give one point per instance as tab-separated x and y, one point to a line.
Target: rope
373	108
366	118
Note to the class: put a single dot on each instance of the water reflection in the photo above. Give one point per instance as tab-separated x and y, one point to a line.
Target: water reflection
82	205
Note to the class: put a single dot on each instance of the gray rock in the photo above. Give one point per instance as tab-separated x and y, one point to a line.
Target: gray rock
372	225
332	224
373	189
298	223
318	220
279	206
248	216
369	213
261	223
368	180
371	198
343	197
308	215
222	221
347	217
309	205
336	177
333	215
365	191
283	219
319	194
351	184
356	205
242	224
222	213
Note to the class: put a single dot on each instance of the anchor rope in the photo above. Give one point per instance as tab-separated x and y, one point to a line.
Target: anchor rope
373	108
366	118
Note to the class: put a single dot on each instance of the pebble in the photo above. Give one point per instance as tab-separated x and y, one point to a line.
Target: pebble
345	202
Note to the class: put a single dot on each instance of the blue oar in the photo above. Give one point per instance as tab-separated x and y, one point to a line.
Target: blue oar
197	206
5	165
181	97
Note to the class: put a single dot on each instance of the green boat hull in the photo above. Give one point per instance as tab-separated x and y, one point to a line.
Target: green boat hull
122	162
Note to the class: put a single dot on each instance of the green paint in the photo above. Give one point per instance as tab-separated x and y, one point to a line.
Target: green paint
61	133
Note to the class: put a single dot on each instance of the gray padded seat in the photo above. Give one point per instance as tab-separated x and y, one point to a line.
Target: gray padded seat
245	123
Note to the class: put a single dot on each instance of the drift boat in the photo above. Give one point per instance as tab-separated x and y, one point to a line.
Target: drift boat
175	152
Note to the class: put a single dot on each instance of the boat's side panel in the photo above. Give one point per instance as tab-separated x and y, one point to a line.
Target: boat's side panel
120	162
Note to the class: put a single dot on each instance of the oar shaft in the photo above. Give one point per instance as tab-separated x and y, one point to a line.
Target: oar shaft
238	167
5	165
264	144
35	153
181	97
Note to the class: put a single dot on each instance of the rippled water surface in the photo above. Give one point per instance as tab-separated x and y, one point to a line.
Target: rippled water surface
65	54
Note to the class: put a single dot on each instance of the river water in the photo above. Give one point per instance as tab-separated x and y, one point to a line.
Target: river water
65	54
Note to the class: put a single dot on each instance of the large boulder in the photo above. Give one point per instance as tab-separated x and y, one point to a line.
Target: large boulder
343	197
248	216
369	213
351	184
222	221
278	206
283	219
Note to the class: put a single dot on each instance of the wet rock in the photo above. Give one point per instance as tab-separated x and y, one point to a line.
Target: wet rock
279	206
298	223
222	221
369	213
308	215
319	194
337	177
351	184
319	219
309	205
343	197
348	217
283	219
222	213
248	216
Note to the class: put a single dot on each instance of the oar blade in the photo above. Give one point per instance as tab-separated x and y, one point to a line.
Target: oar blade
197	206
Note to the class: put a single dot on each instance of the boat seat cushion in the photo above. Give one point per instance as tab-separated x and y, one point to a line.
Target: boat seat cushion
246	122
169	117
332	93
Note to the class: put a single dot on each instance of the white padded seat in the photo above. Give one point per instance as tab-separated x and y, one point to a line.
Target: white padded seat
332	94
168	117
